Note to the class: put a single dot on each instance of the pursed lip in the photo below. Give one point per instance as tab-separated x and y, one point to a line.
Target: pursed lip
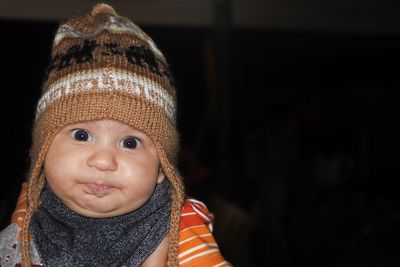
99	190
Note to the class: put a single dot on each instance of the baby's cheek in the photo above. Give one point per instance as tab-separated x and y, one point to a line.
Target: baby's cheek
139	194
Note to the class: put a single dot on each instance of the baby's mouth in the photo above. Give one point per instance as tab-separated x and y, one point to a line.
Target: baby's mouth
98	189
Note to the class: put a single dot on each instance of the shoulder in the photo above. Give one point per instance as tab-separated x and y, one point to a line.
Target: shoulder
195	212
197	246
9	235
9	252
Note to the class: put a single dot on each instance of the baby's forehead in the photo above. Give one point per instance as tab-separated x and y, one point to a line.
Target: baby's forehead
107	124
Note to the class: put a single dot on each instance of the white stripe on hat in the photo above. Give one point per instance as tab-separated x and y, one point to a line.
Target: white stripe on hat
108	79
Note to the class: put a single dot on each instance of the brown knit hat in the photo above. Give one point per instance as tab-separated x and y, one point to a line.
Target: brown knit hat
103	66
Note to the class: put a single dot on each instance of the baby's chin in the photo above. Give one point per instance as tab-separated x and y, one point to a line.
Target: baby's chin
100	208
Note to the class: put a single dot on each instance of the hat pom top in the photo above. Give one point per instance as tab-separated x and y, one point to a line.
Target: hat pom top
103	8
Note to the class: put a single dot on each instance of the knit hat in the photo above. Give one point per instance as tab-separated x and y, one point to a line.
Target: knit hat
103	66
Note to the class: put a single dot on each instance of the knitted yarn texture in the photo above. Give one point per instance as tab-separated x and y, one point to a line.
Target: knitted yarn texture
103	66
63	236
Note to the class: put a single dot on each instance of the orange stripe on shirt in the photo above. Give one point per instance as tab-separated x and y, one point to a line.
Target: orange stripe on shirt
197	246
22	204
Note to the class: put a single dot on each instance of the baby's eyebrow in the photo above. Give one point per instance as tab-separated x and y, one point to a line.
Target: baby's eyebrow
76	126
136	133
84	124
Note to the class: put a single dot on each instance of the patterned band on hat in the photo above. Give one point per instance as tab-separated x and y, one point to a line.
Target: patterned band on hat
109	80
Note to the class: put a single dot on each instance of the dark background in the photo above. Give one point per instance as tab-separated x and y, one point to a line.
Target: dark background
296	155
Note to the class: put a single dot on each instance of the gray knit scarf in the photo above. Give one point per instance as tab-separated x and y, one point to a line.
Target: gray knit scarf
65	238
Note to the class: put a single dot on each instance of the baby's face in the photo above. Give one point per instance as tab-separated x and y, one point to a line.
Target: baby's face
102	168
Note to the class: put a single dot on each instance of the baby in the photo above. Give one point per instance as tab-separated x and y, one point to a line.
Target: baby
103	187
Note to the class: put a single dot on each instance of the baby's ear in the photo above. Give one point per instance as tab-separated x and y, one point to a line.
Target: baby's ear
161	175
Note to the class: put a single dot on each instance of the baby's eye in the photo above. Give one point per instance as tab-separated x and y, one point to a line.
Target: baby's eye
130	142
80	135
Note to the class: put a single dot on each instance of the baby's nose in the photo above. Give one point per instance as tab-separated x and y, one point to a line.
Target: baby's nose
103	158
